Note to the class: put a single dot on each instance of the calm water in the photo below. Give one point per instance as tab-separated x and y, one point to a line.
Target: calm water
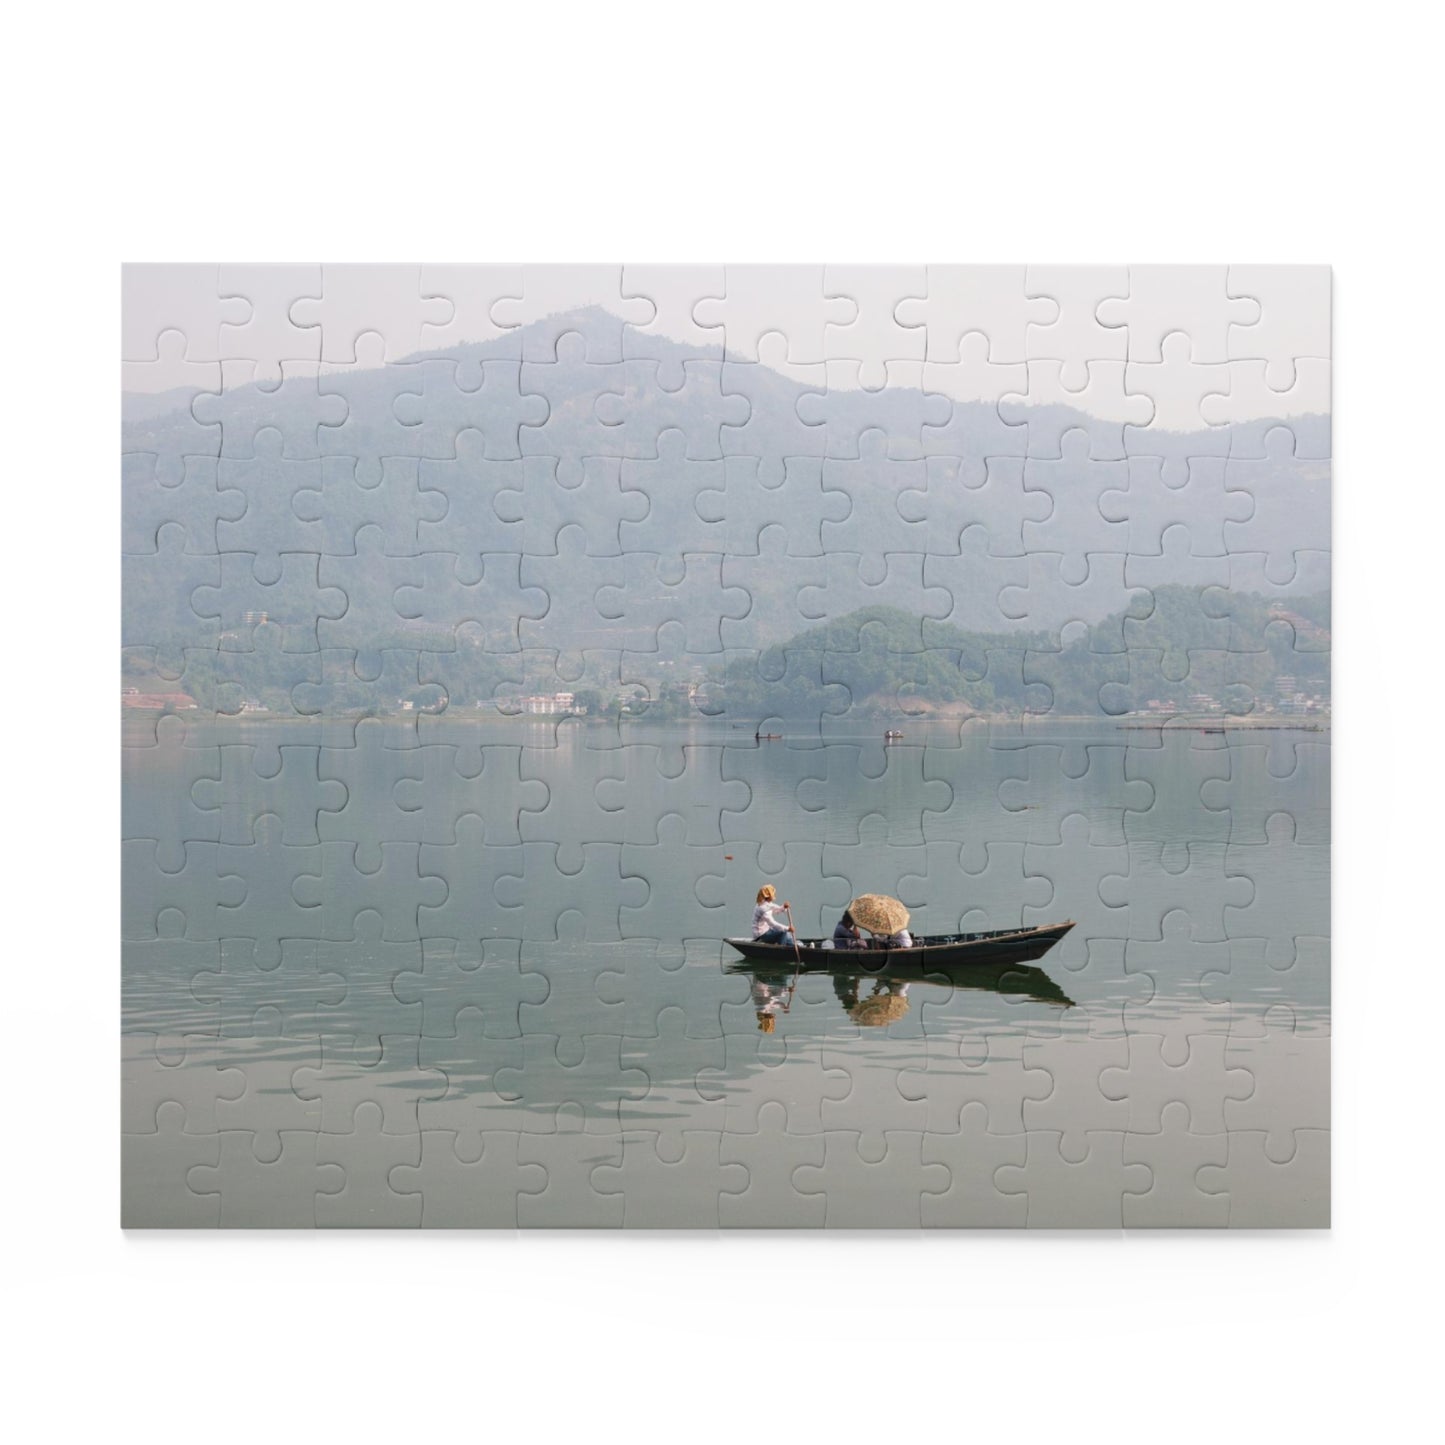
472	974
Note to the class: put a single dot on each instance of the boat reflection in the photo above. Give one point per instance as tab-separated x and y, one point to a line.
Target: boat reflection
875	996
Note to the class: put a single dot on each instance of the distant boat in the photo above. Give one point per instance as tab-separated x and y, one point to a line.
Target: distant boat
893	733
767	737
929	953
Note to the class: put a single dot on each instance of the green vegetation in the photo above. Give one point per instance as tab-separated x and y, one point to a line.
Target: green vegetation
1229	652
1175	650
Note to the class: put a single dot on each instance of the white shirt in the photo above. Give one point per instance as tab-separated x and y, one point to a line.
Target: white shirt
765	917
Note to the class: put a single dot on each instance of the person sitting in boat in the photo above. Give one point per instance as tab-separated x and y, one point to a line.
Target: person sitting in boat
846	933
902	939
768	925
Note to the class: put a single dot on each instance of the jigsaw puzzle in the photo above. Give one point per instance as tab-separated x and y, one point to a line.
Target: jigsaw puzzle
725	746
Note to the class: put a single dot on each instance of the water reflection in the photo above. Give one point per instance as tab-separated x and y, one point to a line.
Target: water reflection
873	997
595	1019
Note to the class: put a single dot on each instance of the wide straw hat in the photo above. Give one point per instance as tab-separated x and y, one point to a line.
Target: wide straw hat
878	913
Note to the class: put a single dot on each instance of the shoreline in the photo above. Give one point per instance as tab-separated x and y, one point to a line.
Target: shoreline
1125	722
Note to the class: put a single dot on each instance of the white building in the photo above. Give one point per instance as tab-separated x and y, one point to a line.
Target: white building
549	702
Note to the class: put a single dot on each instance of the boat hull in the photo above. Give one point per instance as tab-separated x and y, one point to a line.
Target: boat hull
1004	945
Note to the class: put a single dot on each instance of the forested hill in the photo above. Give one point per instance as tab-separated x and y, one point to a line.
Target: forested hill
471	529
1182	650
893	496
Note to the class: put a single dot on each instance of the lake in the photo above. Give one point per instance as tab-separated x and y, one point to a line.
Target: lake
427	972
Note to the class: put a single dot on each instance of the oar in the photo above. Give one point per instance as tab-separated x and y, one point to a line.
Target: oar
797	959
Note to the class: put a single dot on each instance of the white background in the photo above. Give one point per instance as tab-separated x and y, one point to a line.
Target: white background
736	132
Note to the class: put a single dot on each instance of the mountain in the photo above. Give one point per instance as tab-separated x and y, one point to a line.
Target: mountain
671	506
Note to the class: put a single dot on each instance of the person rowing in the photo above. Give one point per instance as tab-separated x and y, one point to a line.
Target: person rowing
768	925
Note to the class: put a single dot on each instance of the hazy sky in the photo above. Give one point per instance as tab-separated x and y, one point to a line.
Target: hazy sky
1199	344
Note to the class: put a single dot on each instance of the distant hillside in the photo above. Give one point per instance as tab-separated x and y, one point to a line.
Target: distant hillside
472	455
1192	651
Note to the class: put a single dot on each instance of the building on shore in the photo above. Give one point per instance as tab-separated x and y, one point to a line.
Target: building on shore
539	704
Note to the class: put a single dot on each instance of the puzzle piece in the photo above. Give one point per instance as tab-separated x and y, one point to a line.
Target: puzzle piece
171	816
1178	385
551	293
573	888
771	1155
447	400
1075	335
673	292
158	590
1194	878
472	291
367	1155
155	1168
1289	1069
1293	322
494	636
159	418
975	430
874	336
759	300
1175	1157
1202	1080
973	1157
345	1081
1273	872
239	601
884	1190
1104	408
1195	300
153	495
466	1182
299	406
269	1109
696	408
163	1073
196	890
385	301
1268	1190
568	1158
1074	1191
774	430
660	1191
267	335
184	298
242	793
673	486
991	301
274	1189
295	993
900	407
593	1085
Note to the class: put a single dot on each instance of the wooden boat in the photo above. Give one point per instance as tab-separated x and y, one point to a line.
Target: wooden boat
930	952
969	969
